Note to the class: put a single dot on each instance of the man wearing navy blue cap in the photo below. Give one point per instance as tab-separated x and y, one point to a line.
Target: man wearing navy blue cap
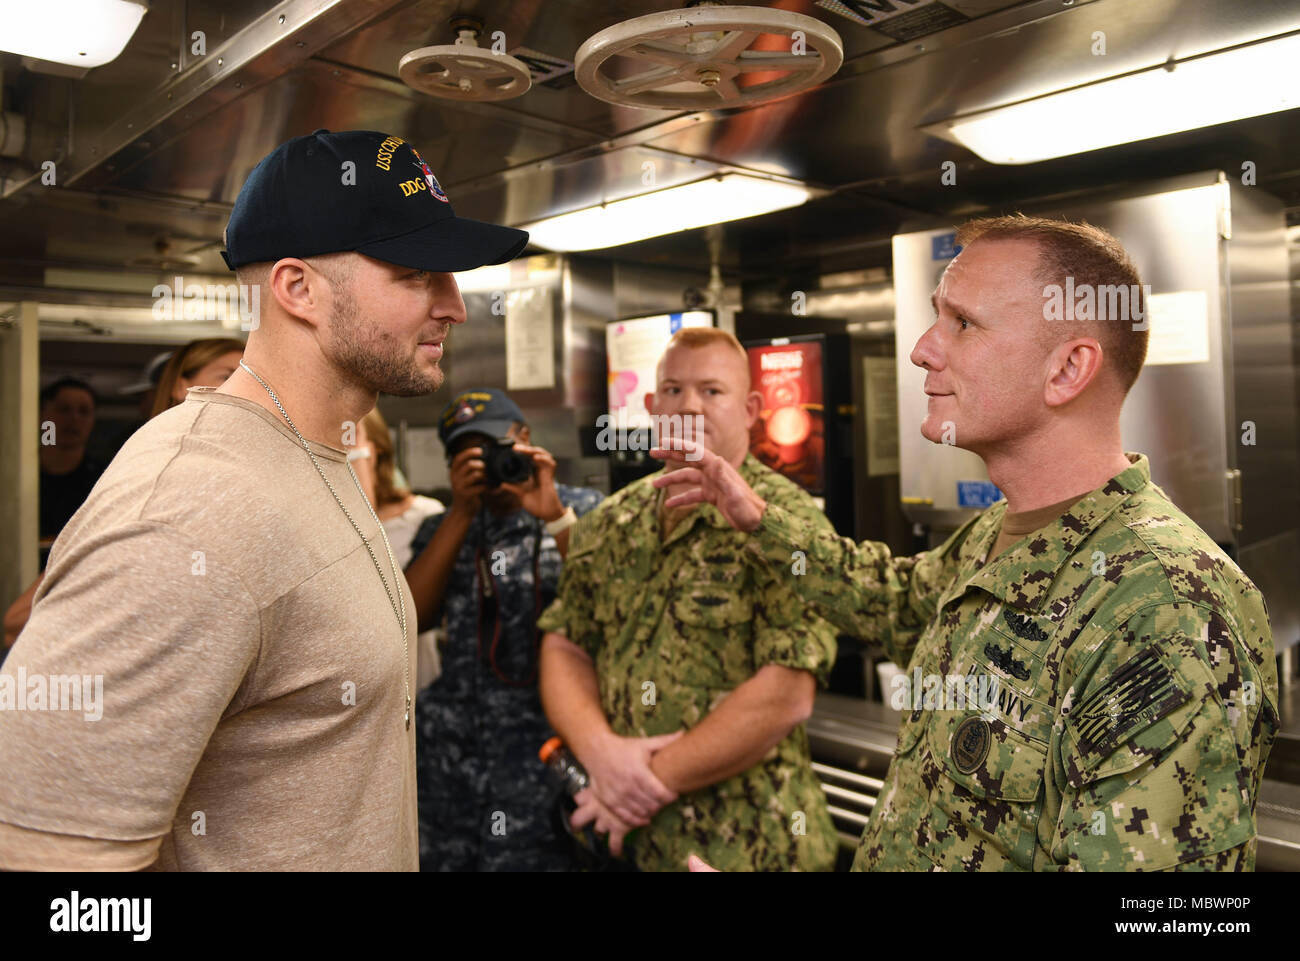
226	592
353	244
490	564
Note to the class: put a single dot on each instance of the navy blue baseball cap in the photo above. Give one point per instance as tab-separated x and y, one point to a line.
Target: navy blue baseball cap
482	410
357	190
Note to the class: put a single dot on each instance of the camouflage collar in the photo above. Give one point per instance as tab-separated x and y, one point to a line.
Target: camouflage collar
1023	575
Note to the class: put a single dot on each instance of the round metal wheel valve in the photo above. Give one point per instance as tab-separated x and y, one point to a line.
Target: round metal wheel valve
701	58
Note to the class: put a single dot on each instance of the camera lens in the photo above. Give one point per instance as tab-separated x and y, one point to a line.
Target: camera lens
515	469
502	465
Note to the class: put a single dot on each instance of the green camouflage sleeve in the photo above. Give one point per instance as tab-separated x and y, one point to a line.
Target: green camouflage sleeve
787	633
572	613
861	589
1159	745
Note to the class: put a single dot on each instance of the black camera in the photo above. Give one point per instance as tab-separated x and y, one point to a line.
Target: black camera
502	464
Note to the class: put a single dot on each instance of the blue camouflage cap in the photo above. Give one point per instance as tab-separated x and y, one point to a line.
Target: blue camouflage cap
481	410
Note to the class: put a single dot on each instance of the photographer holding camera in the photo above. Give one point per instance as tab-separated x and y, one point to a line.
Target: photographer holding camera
491	564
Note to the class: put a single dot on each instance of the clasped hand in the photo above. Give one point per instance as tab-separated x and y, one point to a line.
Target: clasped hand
625	793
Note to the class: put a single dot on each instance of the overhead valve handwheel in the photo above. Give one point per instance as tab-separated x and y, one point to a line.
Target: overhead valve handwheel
463	70
694	59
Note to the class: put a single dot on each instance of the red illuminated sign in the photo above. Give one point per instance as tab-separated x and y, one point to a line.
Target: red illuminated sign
789	435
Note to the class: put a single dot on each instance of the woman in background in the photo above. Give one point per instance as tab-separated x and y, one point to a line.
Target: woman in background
400	511
200	363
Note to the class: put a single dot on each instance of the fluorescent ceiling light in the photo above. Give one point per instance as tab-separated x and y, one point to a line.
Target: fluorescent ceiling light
522	272
83	33
713	201
1200	92
492	277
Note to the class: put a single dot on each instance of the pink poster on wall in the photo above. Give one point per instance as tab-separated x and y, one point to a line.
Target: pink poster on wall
633	348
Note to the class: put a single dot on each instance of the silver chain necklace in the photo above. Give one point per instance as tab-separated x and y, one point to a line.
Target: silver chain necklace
398	604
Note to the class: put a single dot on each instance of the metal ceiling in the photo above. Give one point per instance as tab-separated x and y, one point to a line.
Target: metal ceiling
156	145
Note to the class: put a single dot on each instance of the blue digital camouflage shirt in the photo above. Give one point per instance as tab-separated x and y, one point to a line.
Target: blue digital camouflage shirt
485	801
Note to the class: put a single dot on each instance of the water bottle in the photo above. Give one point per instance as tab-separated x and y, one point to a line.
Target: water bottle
572	777
564	766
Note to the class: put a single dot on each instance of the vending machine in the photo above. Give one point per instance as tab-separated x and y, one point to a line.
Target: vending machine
803	428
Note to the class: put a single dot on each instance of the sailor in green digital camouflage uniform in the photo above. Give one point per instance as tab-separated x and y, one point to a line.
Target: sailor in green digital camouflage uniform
664	624
1130	688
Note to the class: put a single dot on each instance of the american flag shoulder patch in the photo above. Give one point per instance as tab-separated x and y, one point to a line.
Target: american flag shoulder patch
1140	691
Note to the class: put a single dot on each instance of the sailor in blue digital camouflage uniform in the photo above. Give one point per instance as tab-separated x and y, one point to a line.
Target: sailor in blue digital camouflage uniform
491	564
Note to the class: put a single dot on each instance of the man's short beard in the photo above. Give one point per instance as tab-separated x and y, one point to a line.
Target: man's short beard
372	356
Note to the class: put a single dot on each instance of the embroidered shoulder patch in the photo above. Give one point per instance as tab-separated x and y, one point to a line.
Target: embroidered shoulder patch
1139	692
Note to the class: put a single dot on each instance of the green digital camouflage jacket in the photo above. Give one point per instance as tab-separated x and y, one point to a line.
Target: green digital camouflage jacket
1101	696
672	627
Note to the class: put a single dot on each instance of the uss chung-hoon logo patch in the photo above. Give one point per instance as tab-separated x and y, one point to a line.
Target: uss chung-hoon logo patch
434	188
970	744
